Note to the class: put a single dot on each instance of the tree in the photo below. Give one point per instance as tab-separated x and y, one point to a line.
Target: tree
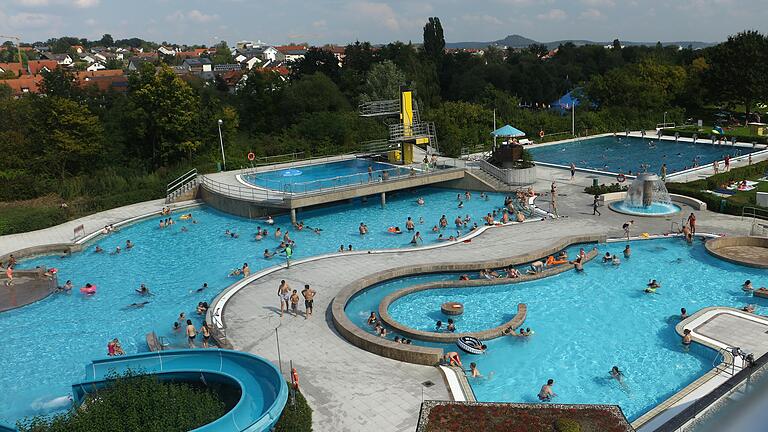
257	100
223	55
434	41
383	81
59	82
738	69
5	91
70	136
164	112
106	40
310	94
461	124
317	60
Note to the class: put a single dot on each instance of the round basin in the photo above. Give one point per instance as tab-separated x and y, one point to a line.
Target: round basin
452	308
655	209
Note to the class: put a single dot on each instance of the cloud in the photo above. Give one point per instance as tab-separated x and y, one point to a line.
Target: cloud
380	12
194	16
591	14
553	15
599	3
482	19
320	24
26	20
82	4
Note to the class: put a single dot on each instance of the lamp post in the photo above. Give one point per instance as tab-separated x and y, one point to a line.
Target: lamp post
665	120
221	141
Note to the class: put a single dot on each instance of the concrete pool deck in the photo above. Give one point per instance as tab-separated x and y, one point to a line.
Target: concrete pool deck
351	389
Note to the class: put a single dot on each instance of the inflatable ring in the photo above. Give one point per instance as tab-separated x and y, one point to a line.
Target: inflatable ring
471	345
621	178
185	217
251	156
541	133
391	229
53	270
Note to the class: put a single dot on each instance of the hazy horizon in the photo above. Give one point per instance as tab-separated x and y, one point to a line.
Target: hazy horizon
344	21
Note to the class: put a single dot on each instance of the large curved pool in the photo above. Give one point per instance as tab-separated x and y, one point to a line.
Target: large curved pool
584	324
47	343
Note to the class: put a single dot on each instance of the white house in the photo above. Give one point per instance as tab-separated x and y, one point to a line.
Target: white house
166	51
90	58
252	62
95	66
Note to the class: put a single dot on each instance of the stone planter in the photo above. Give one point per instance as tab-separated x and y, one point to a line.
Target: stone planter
452	308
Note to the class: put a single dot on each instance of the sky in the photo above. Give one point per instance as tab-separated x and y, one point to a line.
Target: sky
380	21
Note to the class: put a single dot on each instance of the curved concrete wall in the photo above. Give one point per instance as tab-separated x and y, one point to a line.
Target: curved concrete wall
727	248
423	355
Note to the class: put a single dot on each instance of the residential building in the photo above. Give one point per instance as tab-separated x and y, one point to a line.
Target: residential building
135	63
198	65
252	62
227	67
16	68
169	51
293	52
24	84
62	59
95	66
34	67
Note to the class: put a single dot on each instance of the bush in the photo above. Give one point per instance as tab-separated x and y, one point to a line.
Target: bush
705	133
567	425
296	416
22	219
601	189
135	402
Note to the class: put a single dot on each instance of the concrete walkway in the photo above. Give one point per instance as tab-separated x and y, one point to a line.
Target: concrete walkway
64	233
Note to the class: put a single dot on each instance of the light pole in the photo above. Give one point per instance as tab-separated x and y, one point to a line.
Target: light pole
665	120
221	141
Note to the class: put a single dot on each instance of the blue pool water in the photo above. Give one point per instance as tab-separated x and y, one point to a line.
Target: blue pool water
47	343
320	176
653	209
585	323
625	154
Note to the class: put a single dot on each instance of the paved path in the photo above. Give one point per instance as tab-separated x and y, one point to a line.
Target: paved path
64	233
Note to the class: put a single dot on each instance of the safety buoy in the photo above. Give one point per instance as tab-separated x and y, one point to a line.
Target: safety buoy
621	178
53	270
295	378
251	156
541	133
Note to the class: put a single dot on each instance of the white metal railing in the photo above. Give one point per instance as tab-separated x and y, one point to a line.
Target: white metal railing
182	184
665	126
754	213
492	170
272	190
380	107
271	160
399	131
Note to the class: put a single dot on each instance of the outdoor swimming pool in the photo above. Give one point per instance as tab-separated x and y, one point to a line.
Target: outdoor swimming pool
585	323
625	154
47	343
325	175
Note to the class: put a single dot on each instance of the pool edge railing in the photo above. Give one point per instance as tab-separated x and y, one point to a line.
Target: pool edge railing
184	183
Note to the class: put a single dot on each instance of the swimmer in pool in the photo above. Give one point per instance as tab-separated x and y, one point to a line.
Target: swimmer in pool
546	394
617	374
202	288
474	371
417	238
98	249
420	201
136	305
687	339
143	290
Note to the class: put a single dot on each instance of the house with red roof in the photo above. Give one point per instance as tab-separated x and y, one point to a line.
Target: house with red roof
24	84
36	66
17	69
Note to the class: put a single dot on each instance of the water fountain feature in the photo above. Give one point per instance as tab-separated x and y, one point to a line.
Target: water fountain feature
647	196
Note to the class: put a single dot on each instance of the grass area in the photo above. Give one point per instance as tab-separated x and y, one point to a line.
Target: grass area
733	204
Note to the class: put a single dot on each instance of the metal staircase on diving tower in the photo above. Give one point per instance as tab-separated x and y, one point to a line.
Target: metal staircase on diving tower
409	128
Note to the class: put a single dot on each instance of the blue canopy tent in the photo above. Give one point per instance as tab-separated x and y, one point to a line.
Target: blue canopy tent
508	131
567	101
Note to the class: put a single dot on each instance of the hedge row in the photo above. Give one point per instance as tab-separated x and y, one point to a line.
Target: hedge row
705	136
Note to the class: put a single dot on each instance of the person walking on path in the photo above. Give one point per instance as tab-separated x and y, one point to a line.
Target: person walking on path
663	172
573	170
284	292
727	163
595	205
627	227
692	223
9	275
309	298
295	303
553	202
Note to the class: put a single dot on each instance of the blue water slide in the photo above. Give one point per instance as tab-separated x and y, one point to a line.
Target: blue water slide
263	391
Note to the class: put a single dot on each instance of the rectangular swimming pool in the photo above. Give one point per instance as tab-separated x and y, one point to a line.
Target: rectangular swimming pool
324	175
627	154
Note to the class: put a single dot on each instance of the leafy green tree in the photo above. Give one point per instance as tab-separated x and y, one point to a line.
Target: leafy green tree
106	40
59	82
311	94
223	54
70	136
164	111
317	60
461	124
738	69
258	99
113	64
5	91
434	40
383	81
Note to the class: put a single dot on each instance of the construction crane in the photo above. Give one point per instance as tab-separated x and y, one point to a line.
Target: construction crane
18	44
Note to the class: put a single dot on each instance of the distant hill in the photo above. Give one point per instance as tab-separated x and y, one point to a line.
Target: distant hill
518	41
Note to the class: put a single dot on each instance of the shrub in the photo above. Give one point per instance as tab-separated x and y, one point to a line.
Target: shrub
601	189
567	425
22	219
296	416
136	402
